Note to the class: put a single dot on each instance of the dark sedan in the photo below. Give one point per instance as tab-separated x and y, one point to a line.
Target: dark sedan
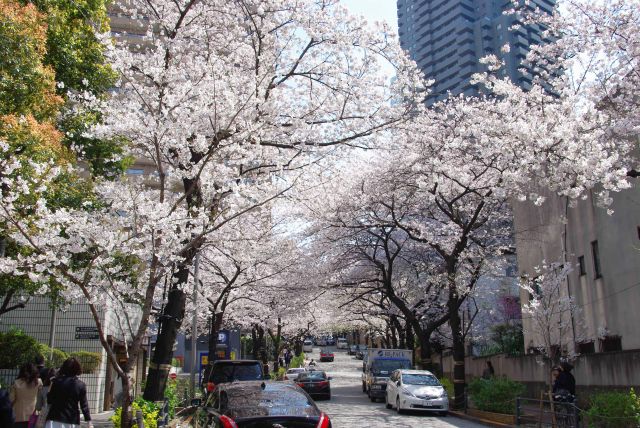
259	405
326	355
316	383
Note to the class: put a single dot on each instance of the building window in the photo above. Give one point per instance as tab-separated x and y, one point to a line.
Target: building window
587	347
596	259
581	266
611	344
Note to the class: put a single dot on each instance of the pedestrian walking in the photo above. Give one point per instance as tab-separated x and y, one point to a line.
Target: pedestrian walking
489	371
6	409
41	404
24	394
40	365
67	394
287	358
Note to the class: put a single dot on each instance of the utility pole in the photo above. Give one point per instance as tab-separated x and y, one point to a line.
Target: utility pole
194	325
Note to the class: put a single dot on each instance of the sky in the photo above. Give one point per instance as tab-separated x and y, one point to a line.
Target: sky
374	10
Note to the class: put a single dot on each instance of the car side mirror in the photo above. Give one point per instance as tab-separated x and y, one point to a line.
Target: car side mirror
196	402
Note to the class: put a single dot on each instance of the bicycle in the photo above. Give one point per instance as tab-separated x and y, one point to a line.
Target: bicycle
565	411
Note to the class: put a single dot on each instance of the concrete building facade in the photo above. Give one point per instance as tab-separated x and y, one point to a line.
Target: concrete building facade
447	38
74	329
604	252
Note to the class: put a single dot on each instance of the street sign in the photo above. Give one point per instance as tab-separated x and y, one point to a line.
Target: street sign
87	333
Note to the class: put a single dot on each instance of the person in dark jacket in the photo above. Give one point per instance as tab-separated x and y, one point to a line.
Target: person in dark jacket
66	394
6	409
564	383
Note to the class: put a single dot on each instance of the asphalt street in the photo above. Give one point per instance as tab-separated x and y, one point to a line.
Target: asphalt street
349	407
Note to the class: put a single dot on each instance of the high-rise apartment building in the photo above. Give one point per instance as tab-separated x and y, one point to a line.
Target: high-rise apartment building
447	38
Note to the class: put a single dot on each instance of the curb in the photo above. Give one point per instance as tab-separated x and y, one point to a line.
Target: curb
485	422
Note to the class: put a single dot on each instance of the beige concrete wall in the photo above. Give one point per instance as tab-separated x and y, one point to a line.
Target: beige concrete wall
594	372
611	301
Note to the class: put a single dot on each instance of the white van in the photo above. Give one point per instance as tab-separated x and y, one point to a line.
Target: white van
342	343
307	346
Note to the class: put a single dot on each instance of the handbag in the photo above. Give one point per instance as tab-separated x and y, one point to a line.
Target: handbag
33	420
42	417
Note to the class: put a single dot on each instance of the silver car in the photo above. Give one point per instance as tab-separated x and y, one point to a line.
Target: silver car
416	390
292	374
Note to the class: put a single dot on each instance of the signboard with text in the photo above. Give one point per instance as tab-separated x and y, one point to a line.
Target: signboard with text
87	333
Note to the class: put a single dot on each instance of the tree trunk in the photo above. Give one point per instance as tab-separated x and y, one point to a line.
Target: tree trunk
170	323
126	418
254	343
216	325
458	355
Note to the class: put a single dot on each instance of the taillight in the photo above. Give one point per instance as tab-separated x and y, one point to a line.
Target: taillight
301	385
323	383
286	378
324	421
211	386
227	422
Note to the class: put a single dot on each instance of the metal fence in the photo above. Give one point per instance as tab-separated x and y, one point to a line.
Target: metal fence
531	412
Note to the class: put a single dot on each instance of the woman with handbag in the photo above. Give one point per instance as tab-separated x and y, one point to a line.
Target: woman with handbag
67	395
23	395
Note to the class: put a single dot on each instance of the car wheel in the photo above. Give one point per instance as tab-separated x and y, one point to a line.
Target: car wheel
398	409
364	387
386	402
329	396
372	398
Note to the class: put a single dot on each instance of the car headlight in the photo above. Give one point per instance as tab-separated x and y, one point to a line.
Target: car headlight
406	392
443	394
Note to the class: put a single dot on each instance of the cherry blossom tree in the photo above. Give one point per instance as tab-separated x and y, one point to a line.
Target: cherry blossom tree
551	313
221	95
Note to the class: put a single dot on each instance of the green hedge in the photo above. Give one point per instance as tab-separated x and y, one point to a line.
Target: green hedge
18	348
89	361
149	409
614	410
497	394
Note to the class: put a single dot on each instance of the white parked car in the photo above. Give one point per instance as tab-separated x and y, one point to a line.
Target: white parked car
342	343
307	346
292	374
416	390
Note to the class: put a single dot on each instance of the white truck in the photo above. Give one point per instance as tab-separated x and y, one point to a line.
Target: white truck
378	366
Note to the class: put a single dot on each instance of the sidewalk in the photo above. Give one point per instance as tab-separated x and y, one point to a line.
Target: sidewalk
100	420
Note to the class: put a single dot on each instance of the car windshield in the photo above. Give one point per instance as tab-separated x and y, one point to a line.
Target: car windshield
315	375
295	370
420	379
232	372
307	342
387	366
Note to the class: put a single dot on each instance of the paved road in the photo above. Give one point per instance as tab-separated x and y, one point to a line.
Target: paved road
349	407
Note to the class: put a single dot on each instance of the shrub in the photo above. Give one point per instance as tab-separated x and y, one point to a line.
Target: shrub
497	394
90	361
17	349
614	409
280	374
171	395
297	361
448	386
149	414
52	360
